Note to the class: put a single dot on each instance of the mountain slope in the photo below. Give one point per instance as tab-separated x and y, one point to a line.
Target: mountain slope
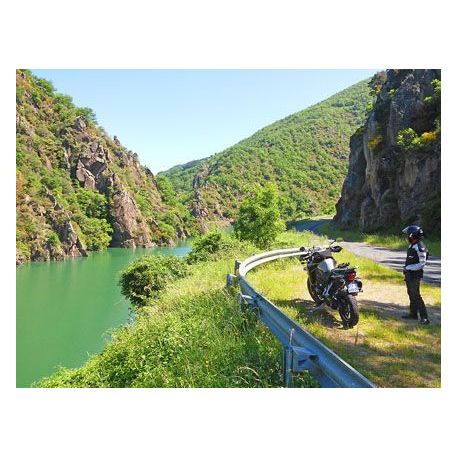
394	173
76	188
305	154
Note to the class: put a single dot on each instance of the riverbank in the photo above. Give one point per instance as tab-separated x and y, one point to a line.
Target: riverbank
193	335
66	309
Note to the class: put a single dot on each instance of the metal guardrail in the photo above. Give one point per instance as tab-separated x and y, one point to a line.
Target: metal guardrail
301	350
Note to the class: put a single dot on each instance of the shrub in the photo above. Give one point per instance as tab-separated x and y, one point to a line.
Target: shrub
96	233
145	278
259	219
53	239
428	137
88	114
212	246
409	140
93	204
167	231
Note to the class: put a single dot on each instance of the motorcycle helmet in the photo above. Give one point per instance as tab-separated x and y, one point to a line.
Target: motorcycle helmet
413	232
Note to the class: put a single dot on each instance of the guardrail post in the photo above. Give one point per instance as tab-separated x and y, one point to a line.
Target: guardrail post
236	267
230	281
287	367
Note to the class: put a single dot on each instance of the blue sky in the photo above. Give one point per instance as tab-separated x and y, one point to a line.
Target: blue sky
171	117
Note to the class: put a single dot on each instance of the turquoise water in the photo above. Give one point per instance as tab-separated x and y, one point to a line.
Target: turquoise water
65	308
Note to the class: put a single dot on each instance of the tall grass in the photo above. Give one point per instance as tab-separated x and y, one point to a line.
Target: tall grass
193	335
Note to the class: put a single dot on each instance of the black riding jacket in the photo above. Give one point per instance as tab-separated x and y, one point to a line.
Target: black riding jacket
417	255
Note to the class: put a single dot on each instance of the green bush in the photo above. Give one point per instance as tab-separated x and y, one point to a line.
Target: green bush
211	247
93	204
145	278
53	239
96	232
409	140
259	219
88	114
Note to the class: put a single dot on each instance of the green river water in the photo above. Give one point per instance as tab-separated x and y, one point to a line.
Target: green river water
65	308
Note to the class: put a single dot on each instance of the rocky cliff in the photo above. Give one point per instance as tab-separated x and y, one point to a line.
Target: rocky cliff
76	188
395	159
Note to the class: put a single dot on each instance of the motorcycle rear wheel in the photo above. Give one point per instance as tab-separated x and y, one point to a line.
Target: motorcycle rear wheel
348	311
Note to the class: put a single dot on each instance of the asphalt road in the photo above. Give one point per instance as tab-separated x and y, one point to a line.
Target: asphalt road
386	256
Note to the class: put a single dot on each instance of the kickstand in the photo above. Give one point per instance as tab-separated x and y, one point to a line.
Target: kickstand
318	307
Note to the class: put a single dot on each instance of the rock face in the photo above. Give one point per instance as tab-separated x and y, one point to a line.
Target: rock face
394	166
129	228
77	188
91	165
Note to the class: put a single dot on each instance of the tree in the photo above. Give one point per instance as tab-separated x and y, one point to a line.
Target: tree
259	219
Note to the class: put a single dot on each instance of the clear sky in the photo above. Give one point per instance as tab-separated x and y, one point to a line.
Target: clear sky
170	117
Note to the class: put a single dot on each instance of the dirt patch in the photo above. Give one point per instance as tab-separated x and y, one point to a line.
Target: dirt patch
385	348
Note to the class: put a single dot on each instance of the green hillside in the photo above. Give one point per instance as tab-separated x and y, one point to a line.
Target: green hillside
305	154
77	189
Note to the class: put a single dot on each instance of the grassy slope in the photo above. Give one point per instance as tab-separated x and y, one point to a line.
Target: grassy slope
386	349
305	154
194	336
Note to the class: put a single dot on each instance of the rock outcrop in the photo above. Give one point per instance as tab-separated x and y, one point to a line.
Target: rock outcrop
394	166
129	227
77	188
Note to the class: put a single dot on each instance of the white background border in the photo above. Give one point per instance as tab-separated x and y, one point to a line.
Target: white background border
228	34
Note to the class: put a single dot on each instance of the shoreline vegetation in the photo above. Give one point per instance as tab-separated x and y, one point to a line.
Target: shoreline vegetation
192	333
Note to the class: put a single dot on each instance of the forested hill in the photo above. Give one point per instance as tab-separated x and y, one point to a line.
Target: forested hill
77	189
305	154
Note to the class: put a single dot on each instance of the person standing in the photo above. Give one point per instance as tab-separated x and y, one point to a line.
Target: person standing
417	256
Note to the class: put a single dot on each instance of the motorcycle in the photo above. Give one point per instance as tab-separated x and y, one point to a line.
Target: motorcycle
334	285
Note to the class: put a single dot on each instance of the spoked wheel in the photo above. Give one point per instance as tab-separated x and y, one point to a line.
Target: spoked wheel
348	310
312	293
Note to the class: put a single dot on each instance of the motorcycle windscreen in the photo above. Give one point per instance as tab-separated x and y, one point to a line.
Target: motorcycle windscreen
326	265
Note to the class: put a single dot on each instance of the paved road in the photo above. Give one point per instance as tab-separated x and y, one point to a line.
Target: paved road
386	256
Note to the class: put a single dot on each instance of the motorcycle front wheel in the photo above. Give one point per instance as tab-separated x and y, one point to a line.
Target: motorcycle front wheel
312	293
348	310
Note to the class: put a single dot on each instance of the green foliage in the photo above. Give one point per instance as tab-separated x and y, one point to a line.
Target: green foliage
409	140
376	83
195	336
145	278
213	246
93	204
166	189
88	114
96	233
47	148
259	218
53	239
